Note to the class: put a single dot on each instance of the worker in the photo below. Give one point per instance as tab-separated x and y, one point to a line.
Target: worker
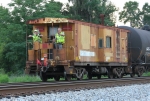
59	39
36	36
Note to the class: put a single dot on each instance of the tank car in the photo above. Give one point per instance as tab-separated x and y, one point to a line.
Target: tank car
90	49
138	49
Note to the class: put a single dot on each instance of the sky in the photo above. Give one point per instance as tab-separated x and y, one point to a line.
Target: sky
118	3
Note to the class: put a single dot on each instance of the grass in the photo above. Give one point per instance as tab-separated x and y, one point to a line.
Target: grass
4	78
27	78
24	78
146	74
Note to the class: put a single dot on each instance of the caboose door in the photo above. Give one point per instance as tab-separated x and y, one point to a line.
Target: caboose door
51	34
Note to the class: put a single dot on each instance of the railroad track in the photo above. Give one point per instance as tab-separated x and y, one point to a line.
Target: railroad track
23	89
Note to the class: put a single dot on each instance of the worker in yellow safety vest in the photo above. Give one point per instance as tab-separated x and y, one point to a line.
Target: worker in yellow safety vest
36	36
59	39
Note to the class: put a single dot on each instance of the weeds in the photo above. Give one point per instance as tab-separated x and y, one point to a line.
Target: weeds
24	78
4	78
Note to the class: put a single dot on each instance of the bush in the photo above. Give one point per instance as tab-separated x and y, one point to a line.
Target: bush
4	78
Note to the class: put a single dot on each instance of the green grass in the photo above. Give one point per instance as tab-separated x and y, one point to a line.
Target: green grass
24	78
4	78
146	74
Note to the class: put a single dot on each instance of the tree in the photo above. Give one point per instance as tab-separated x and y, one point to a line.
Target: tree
90	10
13	29
4	22
146	14
53	9
131	13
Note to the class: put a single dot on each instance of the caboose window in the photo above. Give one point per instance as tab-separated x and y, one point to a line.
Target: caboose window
108	42
100	43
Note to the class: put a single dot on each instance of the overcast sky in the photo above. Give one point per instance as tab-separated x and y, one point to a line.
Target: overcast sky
118	3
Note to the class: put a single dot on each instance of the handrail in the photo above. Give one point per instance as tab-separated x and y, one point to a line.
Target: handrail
73	50
45	37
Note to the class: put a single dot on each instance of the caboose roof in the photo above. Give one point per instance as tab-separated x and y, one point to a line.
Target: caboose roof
48	20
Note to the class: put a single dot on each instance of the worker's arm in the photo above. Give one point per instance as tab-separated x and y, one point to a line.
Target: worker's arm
40	35
54	39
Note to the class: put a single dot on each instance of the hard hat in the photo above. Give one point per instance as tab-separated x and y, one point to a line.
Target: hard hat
35	30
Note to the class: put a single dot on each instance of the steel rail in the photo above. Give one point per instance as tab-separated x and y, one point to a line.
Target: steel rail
17	89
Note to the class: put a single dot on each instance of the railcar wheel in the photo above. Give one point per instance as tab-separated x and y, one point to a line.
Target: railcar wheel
139	74
80	73
80	78
56	78
120	76
132	75
43	76
118	72
68	77
140	71
89	76
98	76
111	76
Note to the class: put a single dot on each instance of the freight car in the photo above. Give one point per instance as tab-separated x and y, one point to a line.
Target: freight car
89	48
138	49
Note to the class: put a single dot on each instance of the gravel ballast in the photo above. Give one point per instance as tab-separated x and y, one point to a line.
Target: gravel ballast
124	93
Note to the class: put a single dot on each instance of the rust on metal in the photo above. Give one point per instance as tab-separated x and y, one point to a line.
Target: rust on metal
102	18
48	20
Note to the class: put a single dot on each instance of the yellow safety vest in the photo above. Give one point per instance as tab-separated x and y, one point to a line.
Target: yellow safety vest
60	38
36	38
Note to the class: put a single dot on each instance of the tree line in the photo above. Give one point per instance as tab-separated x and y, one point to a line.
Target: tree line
13	26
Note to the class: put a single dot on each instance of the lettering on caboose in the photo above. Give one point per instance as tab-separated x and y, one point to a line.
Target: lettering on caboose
67	28
40	28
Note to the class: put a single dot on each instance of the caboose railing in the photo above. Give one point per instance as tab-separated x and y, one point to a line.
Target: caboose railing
35	50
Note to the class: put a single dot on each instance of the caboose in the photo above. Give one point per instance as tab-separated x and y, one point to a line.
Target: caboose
90	49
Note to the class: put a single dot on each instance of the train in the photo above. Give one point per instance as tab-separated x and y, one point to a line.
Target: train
90	49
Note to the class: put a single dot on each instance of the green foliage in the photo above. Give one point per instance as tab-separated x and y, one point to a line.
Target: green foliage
146	14
131	13
24	78
4	16
90	10
25	10
2	71
13	30
4	78
146	74
14	53
53	9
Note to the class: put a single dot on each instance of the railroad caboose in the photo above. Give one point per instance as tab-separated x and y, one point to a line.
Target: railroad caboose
89	48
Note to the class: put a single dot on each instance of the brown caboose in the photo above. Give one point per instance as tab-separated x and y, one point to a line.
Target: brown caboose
89	48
